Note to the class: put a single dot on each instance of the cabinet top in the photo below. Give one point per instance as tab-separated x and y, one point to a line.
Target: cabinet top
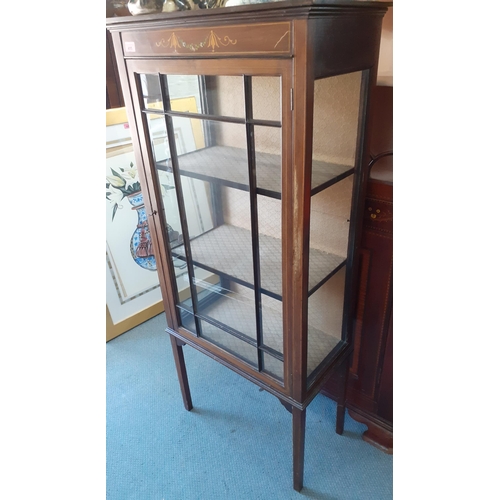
283	9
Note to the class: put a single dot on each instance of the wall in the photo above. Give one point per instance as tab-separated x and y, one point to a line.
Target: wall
385	66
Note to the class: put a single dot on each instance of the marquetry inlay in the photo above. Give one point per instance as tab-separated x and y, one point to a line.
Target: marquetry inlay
266	38
212	40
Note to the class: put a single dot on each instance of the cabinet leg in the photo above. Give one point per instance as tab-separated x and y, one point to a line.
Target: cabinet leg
344	374
181	373
299	430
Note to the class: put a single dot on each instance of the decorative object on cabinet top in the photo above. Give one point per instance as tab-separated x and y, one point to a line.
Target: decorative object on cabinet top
137	7
235	3
199	4
170	6
289	7
117	8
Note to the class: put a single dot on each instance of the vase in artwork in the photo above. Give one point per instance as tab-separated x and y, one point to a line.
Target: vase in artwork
141	247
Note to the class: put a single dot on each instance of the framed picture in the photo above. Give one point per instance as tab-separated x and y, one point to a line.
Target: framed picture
132	286
133	292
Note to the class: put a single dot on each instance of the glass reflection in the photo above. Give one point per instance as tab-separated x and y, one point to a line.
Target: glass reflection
199	140
325	310
336	108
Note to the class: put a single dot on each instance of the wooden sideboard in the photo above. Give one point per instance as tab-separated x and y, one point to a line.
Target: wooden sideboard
369	390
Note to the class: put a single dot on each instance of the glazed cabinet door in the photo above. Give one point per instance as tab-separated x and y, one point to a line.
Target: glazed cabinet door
214	146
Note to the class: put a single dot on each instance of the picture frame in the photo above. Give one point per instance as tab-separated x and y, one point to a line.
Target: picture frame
133	292
132	287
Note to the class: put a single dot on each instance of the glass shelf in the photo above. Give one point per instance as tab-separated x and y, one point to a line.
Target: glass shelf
228	310
229	166
221	250
245	348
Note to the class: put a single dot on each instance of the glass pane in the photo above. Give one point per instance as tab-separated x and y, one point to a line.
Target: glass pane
272	317
325	309
206	287
189	134
272	323
273	366
220	95
150	85
228	247
227	302
184	91
187	321
335	127
335	130
170	215
329	232
182	279
185	94
220	239
225	96
159	141
226	244
194	191
211	151
229	343
266	97
268	160
269	219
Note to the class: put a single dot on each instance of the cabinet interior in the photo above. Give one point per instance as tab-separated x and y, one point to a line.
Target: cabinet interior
227	146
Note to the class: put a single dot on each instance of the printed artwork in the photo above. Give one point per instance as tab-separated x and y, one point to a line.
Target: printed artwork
132	283
123	184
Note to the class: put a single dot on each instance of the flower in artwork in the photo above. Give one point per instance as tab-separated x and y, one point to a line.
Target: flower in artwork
130	176
116	181
121	184
114	195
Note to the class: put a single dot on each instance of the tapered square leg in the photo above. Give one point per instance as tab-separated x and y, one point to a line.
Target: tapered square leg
339	424
344	374
181	372
299	431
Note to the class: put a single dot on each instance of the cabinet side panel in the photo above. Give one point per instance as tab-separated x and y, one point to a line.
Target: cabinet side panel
345	43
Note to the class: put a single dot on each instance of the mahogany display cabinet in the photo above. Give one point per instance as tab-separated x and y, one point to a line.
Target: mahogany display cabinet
249	129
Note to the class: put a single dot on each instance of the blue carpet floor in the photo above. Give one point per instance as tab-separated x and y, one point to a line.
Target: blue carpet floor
236	443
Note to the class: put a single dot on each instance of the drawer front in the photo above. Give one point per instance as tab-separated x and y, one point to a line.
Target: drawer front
249	39
378	215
